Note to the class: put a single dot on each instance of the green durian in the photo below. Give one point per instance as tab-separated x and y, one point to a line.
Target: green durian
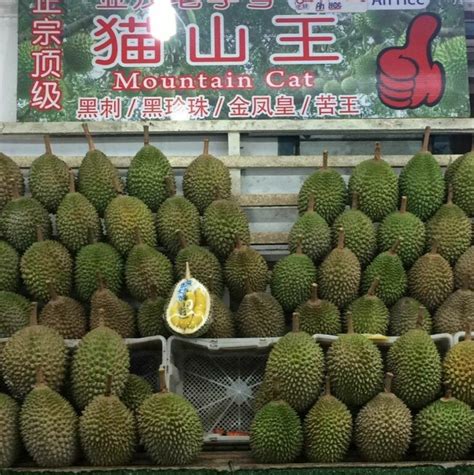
222	325
463	187
376	184
26	64
9	431
328	190
49	179
10	178
451	52
150	319
350	85
455	311
14	313
314	232
406	227
404	316
9	268
137	390
78	54
359	230
422	182
148	174
464	270
205	179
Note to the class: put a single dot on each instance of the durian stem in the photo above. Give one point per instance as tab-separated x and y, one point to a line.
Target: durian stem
378	151
299	245
467	330
52	291
296	323
325	159
33	314
311	203
92	236
373	287
188	271
396	246
404	204
340	238
72	182
39	233
182	239
14	188
238	242
388	382
314	293
355	200
350	323
101	318
426	139
146	135
466	281
138	236
100	280
276	388
88	135
449	201
40	378
421	317
153	292
117	184
327	388
47	144
248	286
448	393
170	186
108	386
206	147
434	247
163	387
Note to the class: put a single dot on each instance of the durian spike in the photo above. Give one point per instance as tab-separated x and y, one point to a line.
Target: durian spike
378	151
163	387
108	386
311	204
40	379
182	238
39	233
327	387
449	199
421	317
100	281
33	314
396	246
14	189
276	388
101	319
434	247
341	236
388	382
426	139
206	147
170	186
52	291
72	182
350	323
146	135
138	237
295	323
299	245
88	135
47	144
325	159
355	200
188	271
314	293
373	287
404	204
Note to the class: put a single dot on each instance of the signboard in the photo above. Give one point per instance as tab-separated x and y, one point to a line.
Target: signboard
91	60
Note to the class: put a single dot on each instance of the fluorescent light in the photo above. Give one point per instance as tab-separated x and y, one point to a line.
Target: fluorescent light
162	20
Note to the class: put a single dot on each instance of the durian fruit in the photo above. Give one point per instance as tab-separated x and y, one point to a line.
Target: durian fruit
10	177
150	320
355	368
463	187
48	426
393	279
25	67
319	316
404	316
223	221
328	189
369	313
32	347
20	219
177	213
101	352
49	178
97	258
117	314
452	230
77	52
406	227
46	261
124	218
77	220
147	174
376	185
314	231
9	267
297	361
137	390
339	275
431	279
107	430
205	178
422	182
65	315
147	269
222	325
245	271
169	427
327	429
98	179
291	280
416	362
464	270
383	427
203	264
260	316
14	313
359	230
9	432
458	370
444	430
276	435
455	311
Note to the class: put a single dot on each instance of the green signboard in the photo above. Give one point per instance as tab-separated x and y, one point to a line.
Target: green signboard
241	59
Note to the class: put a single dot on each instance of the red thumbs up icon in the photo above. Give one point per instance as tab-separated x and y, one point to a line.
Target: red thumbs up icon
407	77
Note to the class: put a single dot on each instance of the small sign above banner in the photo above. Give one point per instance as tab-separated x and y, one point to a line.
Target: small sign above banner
95	60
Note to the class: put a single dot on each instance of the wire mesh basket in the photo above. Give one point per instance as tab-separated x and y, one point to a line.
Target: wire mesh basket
461	336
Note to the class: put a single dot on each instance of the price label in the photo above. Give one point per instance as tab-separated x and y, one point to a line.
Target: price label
329	6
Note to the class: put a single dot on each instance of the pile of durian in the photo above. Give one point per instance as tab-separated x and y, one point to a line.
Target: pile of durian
95	258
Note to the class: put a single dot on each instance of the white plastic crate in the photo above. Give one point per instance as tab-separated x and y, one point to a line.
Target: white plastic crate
460	336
